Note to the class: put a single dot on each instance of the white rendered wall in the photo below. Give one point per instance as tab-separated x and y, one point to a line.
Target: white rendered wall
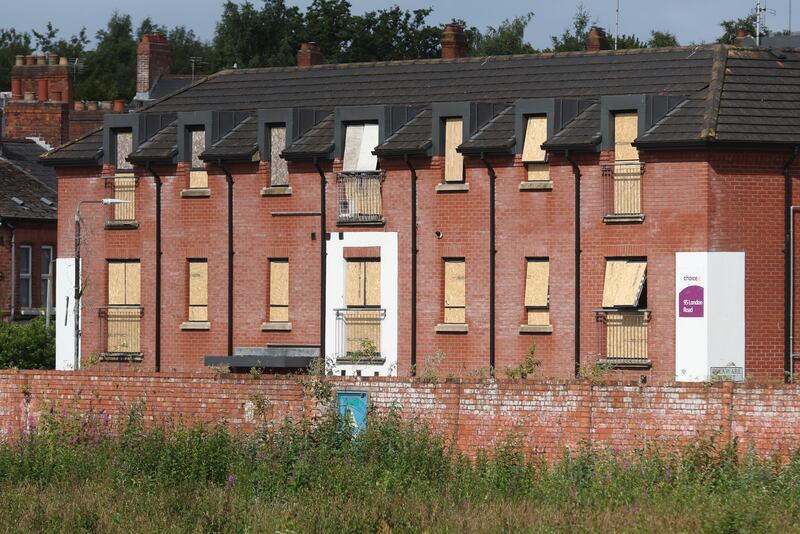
335	297
709	328
65	314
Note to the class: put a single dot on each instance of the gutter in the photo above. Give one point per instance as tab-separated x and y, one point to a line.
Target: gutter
157	180
576	170
413	265
229	180
492	260
788	265
323	256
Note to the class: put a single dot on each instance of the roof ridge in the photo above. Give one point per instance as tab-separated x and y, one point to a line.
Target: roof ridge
714	95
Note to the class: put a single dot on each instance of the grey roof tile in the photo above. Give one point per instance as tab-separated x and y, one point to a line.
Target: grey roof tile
318	141
161	147
582	133
21	194
414	137
87	149
241	143
25	153
497	135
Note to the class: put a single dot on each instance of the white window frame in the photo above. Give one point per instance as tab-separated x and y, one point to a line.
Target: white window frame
45	276
26	276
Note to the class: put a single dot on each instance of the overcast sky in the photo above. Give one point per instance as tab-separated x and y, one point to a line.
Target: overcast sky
691	20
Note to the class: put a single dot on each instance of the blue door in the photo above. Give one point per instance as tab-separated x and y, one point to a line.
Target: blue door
353	409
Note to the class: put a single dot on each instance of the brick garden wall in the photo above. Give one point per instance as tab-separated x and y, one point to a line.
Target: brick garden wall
549	417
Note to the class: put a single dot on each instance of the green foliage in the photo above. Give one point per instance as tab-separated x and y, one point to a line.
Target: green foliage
573	39
12	43
530	364
49	41
662	39
507	38
731	28
627	41
28	345
110	69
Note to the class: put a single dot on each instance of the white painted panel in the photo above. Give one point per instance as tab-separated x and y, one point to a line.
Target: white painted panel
691	331
726	312
367	161
64	314
335	297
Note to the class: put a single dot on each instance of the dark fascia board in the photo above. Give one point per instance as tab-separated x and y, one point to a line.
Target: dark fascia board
297	122
401	152
389	119
473	114
142	126
559	111
215	123
650	109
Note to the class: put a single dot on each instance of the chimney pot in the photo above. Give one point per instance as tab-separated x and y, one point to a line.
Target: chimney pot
742	33
57	96
30	59
19	60
119	106
52	59
29	96
41	60
16	88
41	90
309	54
596	40
454	41
63	60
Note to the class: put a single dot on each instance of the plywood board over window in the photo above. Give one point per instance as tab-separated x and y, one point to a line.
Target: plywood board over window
124	283
624	280
198	177
278	168
455	291
363	284
535	136
626	128
125	189
124	147
537	291
360	140
453	160
279	290
124	293
198	290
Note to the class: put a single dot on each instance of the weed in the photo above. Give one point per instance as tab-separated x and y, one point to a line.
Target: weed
530	364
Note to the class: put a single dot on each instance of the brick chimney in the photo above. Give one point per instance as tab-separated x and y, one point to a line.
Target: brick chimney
454	41
596	40
153	60
309	54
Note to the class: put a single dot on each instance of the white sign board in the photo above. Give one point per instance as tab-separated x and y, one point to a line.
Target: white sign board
709	316
65	314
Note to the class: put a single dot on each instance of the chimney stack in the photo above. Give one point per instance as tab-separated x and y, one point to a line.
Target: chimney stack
309	54
596	40
153	60
454	41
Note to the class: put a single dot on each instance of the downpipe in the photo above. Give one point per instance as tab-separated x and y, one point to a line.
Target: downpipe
788	358
157	181
576	170
413	265
229	180
492	260
323	270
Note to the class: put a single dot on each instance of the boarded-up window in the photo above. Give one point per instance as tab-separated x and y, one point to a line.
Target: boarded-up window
359	142
537	291
279	290
626	128
453	160
455	291
123	148
198	177
198	290
363	284
278	169
623	284
124	295
125	189
535	136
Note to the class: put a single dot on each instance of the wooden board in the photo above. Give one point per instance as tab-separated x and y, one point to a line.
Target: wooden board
278	168
455	315
198	283
124	147
354	284
372	283
198	179
133	283
125	189
623	283
279	282
537	282
626	130
198	145
453	161
539	317
538	171
626	335
353	134
454	291
279	314
535	136
116	283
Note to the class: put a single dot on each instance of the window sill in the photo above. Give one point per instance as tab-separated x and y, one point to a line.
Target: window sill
361	361
120	356
452	187
196	325
276	327
196	192
381	222
122	225
626	363
452	328
536	185
535	329
622	219
275	191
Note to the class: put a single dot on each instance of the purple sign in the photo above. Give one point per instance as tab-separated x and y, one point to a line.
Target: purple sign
691	302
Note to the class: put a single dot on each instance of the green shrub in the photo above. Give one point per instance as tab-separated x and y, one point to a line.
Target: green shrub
27	345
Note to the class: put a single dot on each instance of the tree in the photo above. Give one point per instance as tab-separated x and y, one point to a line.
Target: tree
330	24
110	70
731	28
30	345
185	45
49	41
662	39
507	38
12	43
574	39
627	41
390	34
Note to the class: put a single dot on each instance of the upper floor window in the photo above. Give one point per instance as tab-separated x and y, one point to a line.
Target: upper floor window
624	318
278	168
25	269
453	160
123	147
359	142
198	177
47	279
623	178
533	155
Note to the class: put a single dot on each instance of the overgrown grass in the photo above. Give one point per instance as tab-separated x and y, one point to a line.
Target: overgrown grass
72	474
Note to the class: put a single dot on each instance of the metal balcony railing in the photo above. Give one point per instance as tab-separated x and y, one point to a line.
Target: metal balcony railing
122	187
622	189
120	332
358	334
359	197
622	334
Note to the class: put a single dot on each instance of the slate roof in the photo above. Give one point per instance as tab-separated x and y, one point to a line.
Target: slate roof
163	146
87	148
240	144
318	141
497	135
733	95
25	153
166	86
21	195
414	137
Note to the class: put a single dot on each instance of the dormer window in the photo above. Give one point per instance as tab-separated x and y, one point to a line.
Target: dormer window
453	160
123	144
278	169
198	177
123	183
359	142
533	155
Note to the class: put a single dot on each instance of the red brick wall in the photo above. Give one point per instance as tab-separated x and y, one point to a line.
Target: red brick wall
48	120
34	235
83	122
153	59
59	79
550	418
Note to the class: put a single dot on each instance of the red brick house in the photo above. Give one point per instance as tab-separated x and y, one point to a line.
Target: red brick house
627	207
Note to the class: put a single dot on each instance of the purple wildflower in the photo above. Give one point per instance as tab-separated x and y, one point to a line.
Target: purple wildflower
668	474
231	480
574	492
625	464
634	509
302	455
